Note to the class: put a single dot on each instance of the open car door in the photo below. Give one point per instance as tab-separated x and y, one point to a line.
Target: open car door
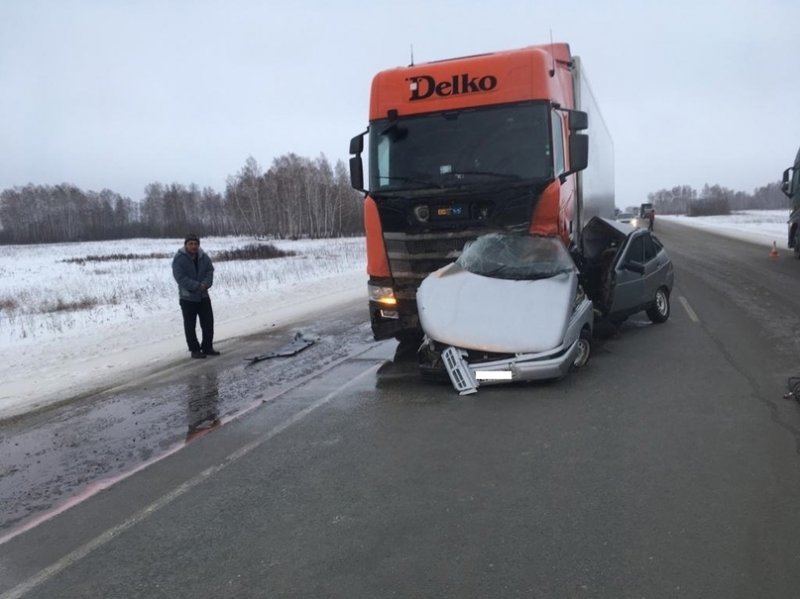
629	277
623	268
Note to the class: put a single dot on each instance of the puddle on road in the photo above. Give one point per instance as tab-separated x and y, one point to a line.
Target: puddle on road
48	458
203	409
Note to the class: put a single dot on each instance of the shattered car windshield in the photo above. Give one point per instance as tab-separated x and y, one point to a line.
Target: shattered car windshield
518	257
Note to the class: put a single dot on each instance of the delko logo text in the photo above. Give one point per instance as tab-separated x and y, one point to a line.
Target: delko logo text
425	86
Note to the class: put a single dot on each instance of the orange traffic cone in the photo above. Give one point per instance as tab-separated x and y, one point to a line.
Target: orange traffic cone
773	253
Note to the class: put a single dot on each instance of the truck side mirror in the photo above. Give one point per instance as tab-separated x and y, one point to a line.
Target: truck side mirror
357	144
578	120
786	183
578	152
356	167
357	173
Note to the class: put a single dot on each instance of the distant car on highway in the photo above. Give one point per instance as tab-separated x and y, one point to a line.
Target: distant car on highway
624	217
634	220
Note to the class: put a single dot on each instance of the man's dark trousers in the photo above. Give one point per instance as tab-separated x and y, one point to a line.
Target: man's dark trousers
191	310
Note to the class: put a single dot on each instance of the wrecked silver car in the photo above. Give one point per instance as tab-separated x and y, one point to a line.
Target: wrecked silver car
511	308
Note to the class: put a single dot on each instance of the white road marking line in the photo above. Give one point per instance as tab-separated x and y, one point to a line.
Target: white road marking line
688	308
84	550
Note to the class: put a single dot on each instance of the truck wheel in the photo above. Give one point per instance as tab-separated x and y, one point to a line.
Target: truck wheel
584	349
659	311
409	343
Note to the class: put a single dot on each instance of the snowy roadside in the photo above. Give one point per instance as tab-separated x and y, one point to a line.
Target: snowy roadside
135	328
756	226
36	375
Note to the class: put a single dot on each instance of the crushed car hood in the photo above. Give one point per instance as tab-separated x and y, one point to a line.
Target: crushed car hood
470	311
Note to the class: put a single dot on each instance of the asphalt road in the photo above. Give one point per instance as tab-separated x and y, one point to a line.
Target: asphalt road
668	467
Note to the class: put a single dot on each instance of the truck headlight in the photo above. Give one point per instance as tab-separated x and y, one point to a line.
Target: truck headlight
382	295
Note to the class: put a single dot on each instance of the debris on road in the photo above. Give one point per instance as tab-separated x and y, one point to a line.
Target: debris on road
295	346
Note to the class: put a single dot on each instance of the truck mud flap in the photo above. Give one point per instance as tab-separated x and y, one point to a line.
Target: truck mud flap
457	369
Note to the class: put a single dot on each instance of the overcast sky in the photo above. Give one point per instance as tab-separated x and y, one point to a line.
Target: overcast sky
118	94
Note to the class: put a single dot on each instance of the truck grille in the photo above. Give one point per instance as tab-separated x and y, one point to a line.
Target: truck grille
416	248
413	257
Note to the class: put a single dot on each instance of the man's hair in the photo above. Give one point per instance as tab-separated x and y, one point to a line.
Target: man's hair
191	237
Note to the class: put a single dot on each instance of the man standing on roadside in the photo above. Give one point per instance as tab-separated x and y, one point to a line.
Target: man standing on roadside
194	274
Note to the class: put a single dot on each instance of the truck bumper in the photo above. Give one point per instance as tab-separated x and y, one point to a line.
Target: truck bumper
393	309
396	321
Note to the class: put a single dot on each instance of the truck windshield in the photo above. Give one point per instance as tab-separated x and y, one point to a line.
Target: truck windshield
517	257
462	147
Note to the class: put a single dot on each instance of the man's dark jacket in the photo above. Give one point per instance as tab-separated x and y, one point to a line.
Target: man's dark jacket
190	275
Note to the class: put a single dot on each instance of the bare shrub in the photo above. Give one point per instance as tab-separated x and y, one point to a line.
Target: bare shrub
61	306
708	207
252	252
116	257
8	303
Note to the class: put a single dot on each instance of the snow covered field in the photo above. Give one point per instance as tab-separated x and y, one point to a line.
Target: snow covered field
756	226
131	324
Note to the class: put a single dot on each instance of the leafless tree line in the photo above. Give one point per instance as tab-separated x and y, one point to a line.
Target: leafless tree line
715	199
47	214
296	197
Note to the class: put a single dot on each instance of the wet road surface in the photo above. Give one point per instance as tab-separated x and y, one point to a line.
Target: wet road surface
47	459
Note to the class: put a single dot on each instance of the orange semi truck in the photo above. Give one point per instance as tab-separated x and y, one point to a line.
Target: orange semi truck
507	141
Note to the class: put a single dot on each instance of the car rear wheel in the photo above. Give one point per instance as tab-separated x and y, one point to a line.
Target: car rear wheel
659	311
584	349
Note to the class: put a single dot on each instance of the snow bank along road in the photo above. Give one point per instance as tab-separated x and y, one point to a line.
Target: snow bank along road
52	370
